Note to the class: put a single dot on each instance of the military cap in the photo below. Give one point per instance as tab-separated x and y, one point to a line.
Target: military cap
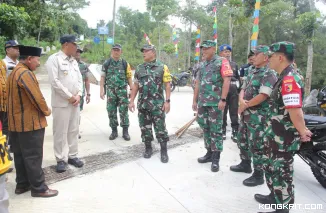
68	39
11	43
225	47
208	43
282	47
29	51
79	49
147	47
117	46
261	49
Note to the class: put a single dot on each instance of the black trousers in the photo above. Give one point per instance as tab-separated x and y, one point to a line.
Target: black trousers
232	105
4	121
28	154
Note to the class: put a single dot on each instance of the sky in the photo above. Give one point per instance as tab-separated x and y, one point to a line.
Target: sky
103	9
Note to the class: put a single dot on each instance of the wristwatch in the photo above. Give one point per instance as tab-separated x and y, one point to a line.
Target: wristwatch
223	99
167	100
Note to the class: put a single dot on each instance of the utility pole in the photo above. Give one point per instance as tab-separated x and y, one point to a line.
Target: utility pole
113	23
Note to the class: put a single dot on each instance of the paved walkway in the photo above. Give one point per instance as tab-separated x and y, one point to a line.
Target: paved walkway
144	185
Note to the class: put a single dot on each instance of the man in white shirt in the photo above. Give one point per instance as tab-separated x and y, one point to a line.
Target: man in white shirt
67	89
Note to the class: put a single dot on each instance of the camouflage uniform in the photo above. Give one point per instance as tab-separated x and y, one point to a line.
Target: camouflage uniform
250	143
281	138
116	81
210	118
85	73
150	78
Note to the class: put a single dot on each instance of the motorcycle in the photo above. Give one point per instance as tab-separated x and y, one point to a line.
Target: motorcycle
315	103
180	80
314	153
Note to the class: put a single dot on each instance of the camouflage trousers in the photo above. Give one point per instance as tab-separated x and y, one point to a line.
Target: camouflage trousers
118	97
250	141
156	117
210	119
279	175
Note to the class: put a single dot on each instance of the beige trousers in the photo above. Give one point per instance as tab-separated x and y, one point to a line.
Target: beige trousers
65	132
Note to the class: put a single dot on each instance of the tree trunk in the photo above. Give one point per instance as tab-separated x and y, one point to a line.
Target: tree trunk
309	68
230	32
310	57
113	22
39	32
189	47
249	42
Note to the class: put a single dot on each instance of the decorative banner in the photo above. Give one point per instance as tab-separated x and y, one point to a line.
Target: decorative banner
197	51
255	28
147	39
175	41
215	26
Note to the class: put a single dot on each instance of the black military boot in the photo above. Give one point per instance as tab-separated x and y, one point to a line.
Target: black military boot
125	134
265	199
244	166
234	135
257	178
206	158
148	150
215	161
114	133
224	134
164	152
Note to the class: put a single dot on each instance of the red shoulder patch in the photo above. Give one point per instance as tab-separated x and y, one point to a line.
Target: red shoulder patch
291	93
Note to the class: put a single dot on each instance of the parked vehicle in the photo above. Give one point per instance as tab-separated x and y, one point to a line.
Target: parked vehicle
180	79
314	152
315	103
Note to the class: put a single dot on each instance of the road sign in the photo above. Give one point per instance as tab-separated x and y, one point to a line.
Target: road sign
110	41
97	40
103	31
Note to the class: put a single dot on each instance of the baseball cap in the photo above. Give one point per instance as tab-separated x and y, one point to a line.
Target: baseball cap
11	43
261	49
147	47
225	47
282	47
208	43
117	46
68	39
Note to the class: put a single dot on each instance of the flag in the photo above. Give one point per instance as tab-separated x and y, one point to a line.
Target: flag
197	49
255	28
147	39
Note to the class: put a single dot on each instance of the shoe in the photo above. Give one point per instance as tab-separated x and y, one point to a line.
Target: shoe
215	161
164	152
19	191
47	193
234	135
114	134
207	157
148	150
257	178
265	199
244	166
61	167
76	162
125	134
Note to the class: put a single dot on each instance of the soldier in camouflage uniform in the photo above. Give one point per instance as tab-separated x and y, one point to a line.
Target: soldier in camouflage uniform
285	128
150	79
116	75
212	87
253	109
233	95
86	84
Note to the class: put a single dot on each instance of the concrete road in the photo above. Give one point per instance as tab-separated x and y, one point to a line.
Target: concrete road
144	185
